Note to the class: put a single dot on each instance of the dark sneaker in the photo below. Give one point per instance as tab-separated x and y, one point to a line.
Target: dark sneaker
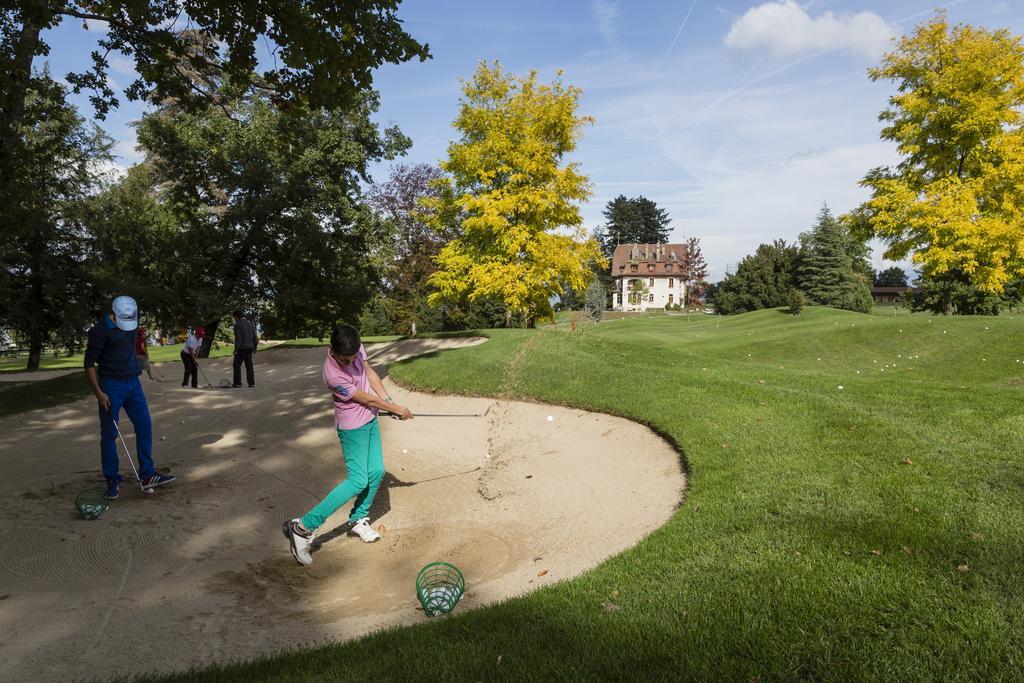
157	480
236	386
300	539
113	488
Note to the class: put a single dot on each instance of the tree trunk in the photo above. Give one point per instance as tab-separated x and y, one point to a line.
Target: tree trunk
12	110
211	333
35	349
947	301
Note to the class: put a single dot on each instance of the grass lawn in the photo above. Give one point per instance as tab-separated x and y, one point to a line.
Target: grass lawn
158	354
855	506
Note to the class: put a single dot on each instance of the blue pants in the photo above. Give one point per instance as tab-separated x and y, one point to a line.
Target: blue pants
127	394
364	462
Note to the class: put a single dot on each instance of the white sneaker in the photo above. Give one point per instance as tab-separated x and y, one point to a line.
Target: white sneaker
365	531
300	539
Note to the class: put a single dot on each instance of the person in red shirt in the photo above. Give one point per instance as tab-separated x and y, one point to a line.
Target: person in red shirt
142	353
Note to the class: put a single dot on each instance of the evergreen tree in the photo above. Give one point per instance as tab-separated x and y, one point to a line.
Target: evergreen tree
826	273
633	221
762	280
596	301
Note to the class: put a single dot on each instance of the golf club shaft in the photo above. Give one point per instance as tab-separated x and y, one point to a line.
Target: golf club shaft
128	455
386	413
204	374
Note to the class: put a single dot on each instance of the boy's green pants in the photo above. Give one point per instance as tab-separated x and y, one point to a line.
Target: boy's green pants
364	460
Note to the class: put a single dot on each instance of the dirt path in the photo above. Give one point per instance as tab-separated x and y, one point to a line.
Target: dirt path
199	572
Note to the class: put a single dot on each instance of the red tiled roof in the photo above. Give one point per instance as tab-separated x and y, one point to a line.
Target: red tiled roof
890	290
649	259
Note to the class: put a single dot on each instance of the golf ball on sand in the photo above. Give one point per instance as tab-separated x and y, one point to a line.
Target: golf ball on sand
551	418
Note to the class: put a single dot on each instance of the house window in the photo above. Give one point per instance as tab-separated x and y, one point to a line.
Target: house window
668	266
650	267
671	283
670	298
650	297
622	268
618	298
652	282
634	268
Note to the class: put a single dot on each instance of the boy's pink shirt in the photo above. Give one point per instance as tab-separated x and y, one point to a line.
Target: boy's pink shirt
343	382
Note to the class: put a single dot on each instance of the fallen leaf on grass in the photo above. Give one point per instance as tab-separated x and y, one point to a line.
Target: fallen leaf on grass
609	607
615	594
725	445
876	553
499	659
908	550
542	572
963	569
696	508
906	461
974	535
761	381
917	509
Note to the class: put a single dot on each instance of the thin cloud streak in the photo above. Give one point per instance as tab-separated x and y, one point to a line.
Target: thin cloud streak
681	26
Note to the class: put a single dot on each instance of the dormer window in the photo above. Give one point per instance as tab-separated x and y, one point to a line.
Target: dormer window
668	266
650	267
634	268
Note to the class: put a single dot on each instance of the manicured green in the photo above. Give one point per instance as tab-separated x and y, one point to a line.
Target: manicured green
869	532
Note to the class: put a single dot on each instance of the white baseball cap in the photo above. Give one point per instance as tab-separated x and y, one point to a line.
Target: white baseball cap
126	313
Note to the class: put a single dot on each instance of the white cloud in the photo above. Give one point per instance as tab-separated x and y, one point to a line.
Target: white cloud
606	13
785	29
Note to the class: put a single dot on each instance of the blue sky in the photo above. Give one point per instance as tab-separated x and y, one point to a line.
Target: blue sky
740	117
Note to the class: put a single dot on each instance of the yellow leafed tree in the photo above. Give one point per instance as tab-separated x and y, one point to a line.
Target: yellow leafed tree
522	238
956	200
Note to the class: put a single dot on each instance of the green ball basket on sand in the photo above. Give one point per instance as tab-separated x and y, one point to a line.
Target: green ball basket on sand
91	503
439	586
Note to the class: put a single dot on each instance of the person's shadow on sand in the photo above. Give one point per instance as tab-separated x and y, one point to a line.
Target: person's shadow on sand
381	504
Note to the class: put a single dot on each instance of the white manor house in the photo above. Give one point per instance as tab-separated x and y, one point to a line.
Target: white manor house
657	267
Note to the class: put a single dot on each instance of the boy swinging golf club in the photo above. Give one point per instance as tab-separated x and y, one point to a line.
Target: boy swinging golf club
116	384
358	395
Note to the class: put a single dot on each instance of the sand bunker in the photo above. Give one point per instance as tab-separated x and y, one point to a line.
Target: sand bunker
199	572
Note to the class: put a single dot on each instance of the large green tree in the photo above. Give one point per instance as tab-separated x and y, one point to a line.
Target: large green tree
636	220
46	293
891	277
324	52
826	274
762	280
522	240
956	200
270	209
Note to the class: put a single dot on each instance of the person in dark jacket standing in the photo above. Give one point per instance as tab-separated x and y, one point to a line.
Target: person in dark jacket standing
111	346
245	345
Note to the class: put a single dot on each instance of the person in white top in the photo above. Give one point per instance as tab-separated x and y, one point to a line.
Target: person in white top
189	353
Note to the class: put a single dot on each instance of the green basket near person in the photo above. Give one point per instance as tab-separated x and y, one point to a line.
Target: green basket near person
91	503
439	587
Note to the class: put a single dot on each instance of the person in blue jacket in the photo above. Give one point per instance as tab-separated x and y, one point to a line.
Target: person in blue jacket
115	382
